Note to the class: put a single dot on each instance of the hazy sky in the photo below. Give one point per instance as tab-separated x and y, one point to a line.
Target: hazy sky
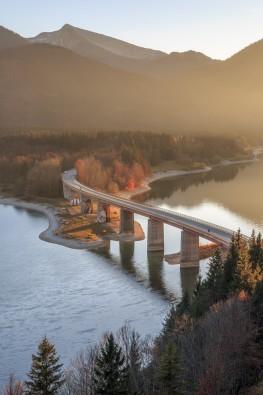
218	28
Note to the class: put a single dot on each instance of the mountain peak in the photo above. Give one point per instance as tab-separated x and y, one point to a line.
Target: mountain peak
67	26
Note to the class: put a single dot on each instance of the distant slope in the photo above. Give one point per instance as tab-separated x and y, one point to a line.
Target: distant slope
84	41
226	96
51	87
9	39
120	54
44	86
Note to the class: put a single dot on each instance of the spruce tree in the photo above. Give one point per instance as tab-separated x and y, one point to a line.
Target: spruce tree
169	324
170	372
201	299
45	374
184	305
236	258
111	371
135	374
214	277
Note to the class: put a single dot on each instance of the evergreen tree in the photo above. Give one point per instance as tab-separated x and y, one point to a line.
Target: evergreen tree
45	374
169	325
214	277
184	305
236	258
201	299
259	249
171	373
111	372
253	253
136	381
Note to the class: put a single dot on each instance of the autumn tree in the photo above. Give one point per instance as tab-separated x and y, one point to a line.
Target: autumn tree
43	179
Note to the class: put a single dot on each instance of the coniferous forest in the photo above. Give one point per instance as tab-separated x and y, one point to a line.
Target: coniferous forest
211	342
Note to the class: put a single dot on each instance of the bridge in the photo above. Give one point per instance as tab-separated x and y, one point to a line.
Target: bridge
191	228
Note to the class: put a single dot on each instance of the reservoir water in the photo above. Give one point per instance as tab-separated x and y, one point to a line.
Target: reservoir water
73	296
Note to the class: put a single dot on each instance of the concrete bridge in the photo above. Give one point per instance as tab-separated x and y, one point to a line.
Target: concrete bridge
192	228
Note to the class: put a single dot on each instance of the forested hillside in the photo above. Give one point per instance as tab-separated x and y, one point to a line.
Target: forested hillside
32	162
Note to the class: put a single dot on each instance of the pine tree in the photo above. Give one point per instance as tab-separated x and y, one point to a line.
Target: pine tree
136	382
171	373
214	277
45	374
169	325
253	253
184	305
111	372
201	299
236	260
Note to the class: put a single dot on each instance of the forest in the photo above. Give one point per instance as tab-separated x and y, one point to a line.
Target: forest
31	162
211	342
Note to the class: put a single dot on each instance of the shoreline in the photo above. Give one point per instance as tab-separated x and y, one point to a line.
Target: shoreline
49	234
145	186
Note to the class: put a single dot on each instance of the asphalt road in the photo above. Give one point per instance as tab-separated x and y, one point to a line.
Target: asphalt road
207	230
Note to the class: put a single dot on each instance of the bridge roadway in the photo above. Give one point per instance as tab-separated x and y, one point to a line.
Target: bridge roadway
204	229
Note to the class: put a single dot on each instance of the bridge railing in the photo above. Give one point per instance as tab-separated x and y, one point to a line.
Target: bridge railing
147	210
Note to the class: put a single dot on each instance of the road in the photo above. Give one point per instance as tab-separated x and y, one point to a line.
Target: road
204	229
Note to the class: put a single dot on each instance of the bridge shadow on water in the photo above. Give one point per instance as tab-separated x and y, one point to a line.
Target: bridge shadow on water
152	271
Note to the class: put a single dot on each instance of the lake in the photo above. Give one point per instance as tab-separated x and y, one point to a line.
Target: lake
73	296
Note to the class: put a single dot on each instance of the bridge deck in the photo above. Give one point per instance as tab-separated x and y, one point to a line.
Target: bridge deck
205	229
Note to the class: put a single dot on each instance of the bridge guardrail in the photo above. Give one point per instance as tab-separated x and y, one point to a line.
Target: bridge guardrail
149	210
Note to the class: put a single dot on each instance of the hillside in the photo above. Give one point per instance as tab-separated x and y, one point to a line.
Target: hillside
46	86
9	39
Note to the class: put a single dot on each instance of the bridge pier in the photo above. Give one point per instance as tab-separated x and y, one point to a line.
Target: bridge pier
126	221
189	249
106	208
100	218
86	205
155	239
66	192
82	203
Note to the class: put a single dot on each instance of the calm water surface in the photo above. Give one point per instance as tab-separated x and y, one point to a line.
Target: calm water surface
72	296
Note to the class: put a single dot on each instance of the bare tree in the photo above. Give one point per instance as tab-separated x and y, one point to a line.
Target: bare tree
13	387
79	375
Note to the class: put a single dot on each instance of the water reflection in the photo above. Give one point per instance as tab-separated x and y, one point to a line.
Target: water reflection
152	271
165	188
126	256
188	278
155	267
237	188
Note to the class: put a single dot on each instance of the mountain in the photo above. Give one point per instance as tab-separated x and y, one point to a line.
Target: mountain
48	86
9	39
52	87
120	54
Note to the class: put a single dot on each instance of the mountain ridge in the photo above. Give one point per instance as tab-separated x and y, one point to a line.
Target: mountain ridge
120	54
51	87
10	39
